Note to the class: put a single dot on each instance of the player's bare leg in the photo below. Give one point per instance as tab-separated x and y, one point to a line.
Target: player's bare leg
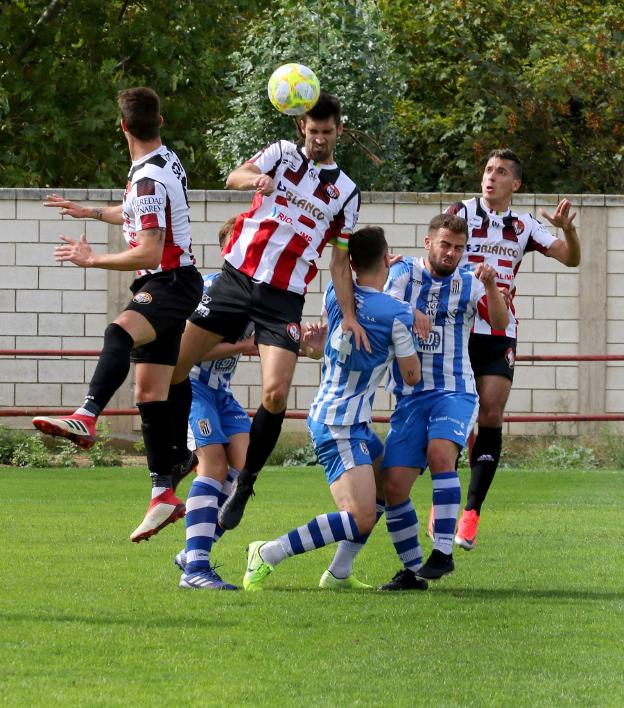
354	493
278	367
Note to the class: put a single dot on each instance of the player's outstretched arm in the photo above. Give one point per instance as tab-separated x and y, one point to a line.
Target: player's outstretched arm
498	312
145	256
249	176
568	250
109	214
343	285
223	350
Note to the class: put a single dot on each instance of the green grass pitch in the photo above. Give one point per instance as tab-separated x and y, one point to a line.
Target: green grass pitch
533	616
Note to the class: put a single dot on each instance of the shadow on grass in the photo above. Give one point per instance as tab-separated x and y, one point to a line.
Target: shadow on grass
530	594
381	598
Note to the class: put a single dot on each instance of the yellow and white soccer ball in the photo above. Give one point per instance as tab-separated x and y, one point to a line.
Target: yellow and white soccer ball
293	89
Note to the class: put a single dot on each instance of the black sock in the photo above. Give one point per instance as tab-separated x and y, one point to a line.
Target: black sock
156	427
111	370
180	396
484	461
265	430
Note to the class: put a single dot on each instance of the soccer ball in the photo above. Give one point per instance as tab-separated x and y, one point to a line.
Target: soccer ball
293	89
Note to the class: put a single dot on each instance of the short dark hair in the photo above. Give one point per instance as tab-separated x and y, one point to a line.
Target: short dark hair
508	154
225	232
140	109
452	222
367	247
327	106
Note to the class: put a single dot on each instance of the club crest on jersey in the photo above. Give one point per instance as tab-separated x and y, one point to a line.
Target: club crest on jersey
518	226
142	298
510	358
294	331
455	286
332	191
204	427
364	448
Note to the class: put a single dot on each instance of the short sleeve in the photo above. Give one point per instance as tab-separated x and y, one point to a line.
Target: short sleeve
540	239
398	279
402	337
149	205
267	159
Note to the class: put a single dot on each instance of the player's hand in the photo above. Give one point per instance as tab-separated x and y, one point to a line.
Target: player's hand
313	338
248	346
422	325
77	252
66	207
394	258
486	274
264	184
359	335
561	219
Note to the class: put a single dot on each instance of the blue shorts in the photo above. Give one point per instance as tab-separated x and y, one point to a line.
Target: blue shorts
425	416
215	416
341	447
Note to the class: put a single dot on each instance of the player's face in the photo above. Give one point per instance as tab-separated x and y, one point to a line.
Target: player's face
445	251
320	138
499	183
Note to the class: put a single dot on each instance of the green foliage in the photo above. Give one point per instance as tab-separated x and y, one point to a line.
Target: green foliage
60	72
545	79
139	446
344	44
301	457
30	451
104	453
573	457
65	454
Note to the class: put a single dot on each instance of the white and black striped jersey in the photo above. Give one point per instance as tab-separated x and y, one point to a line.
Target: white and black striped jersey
500	239
155	198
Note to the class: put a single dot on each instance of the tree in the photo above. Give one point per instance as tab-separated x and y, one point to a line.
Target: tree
344	44
545	79
62	63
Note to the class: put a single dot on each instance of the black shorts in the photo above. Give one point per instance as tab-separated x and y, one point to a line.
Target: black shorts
165	300
234	299
492	355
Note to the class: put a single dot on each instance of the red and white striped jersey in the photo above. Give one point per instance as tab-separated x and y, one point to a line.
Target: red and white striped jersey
501	240
279	239
155	198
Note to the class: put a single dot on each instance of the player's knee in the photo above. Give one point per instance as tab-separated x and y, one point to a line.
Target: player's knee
394	491
364	519
275	398
440	461
491	417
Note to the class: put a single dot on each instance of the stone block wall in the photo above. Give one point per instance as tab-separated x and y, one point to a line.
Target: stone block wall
45	305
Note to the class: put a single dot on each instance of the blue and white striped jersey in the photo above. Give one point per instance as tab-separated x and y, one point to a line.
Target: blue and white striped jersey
216	374
349	378
451	304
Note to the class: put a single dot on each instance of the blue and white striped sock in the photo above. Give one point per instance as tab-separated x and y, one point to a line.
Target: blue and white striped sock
201	522
446	500
321	531
342	562
223	495
402	524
